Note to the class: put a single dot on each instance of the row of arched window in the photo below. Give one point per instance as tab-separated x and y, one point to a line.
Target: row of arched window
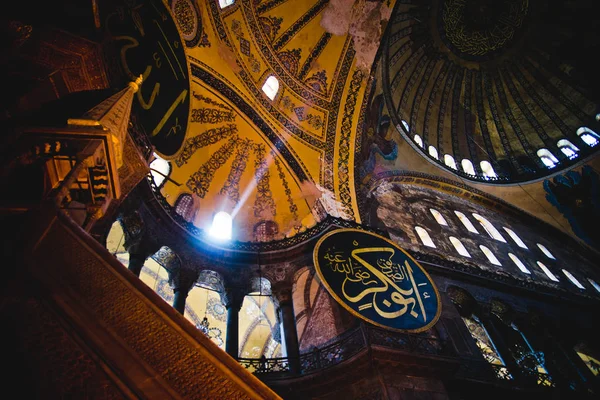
495	234
587	135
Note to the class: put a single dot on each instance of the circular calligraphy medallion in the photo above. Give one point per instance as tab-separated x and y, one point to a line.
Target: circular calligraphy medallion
149	44
377	281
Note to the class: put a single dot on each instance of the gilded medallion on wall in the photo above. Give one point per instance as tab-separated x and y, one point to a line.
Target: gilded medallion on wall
377	281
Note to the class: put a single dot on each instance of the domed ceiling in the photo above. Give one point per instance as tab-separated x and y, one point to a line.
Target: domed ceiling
287	160
492	80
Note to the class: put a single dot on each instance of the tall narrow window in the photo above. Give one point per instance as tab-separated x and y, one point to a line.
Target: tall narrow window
547	158
567	148
489	228
424	236
547	272
486	346
271	87
487	169
594	284
459	247
225	3
405	126
545	251
418	140
573	279
449	161
490	256
515	237
160	169
519	263
221	226
590	137
184	206
467	166
438	217
433	152
466	222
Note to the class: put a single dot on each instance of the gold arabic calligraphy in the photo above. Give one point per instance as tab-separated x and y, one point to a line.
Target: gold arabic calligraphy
383	281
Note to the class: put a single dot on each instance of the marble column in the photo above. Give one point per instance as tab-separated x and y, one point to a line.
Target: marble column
136	263
290	333
233	304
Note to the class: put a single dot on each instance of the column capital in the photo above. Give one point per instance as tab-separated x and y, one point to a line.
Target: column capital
233	297
183	279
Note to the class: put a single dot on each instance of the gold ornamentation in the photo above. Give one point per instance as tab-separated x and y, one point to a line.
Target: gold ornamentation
199	182
206	138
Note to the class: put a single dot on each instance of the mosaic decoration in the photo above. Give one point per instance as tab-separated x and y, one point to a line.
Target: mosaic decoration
288	193
212	116
314	121
291	60
314	54
299	24
264	205
270	26
208	137
200	180
318	82
375	280
231	187
210	101
189	19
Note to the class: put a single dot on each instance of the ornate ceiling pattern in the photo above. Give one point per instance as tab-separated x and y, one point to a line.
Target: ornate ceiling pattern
479	80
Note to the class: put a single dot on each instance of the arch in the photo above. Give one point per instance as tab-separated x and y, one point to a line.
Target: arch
519	263
489	228
466	222
438	217
261	286
490	256
418	140
515	237
573	279
212	280
568	148
271	87
460	248
184	206
588	136
433	152
547	158
225	3
205	309
424	236
594	284
467	167
405	126
115	241
462	299
160	169
487	169
545	251
449	161
548	273
221	226
167	259
259	328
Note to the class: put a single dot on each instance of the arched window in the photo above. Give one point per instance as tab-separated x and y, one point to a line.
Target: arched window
545	251
516	238
490	256
160	169
519	263
433	152
449	161
467	166
594	284
590	137
256	338
405	125
225	3
424	236
459	247
487	169
547	158
547	272
466	222
438	217
573	279
205	309
271	87
184	206
221	226
489	228
486	345
568	148
418	140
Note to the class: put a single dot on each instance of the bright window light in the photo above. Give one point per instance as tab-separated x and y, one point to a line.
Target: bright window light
449	161
466	222
405	125
590	137
225	3
418	140
490	256
162	166
489	228
594	284
424	236
547	272
545	251
271	87
221	226
547	158
515	237
568	148
433	152
438	217
459	247
487	169
573	279
519	263
467	166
